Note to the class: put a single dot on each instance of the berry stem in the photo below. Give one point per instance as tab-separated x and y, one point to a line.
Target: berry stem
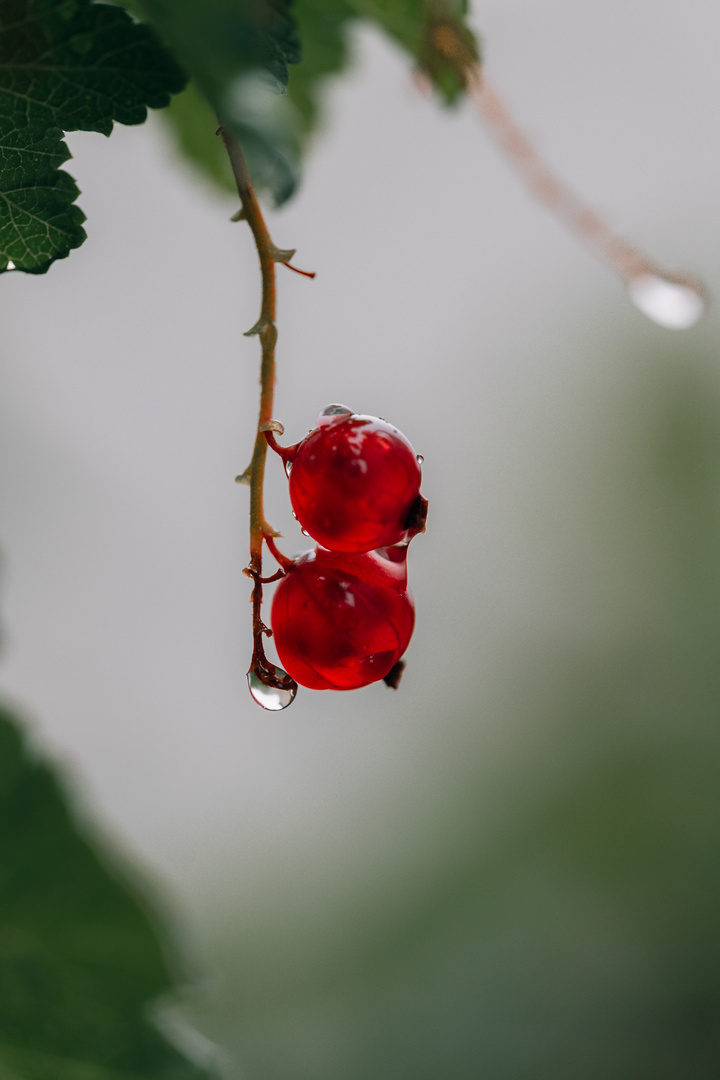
266	330
282	560
305	273
287	453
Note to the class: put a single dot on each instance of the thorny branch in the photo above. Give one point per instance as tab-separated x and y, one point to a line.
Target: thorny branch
254	475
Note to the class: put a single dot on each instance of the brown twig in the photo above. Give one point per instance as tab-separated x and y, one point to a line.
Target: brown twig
623	257
639	271
266	330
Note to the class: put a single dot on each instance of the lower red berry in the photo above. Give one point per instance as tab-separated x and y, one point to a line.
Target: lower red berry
342	621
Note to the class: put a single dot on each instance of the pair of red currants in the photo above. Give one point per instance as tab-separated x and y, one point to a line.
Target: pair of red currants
342	615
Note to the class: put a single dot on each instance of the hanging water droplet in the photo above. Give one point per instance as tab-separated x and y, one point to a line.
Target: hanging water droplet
420	459
288	467
676	303
272	698
331	412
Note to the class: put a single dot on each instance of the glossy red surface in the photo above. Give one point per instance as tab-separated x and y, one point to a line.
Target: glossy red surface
341	621
353	482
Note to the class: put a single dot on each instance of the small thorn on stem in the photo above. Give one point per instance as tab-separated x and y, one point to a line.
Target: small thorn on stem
239	215
305	273
271	425
281	255
259	328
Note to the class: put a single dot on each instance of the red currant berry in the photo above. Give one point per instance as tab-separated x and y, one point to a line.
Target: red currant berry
341	621
355	482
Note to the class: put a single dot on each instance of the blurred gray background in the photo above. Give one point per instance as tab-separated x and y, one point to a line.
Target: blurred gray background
508	868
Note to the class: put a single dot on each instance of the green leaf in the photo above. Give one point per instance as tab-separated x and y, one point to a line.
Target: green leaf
432	32
80	958
435	34
65	65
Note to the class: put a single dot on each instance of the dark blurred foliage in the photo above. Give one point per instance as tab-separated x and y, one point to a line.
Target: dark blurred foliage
81	960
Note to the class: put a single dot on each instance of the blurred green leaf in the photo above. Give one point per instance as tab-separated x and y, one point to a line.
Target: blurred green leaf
434	33
322	26
80	958
64	65
238	52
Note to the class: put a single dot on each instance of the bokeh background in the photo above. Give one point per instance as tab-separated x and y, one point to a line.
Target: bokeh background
511	866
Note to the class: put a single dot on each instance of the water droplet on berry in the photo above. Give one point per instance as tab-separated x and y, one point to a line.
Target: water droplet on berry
420	459
676	303
288	467
304	532
331	412
272	698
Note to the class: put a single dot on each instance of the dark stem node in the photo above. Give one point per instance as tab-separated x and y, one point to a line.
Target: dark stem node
417	517
394	675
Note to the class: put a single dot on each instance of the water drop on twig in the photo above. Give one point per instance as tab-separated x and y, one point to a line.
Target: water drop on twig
676	303
272	698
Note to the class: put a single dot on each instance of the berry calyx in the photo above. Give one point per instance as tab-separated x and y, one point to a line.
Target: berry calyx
341	621
355	482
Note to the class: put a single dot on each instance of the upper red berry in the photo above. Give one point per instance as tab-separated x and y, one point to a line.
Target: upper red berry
341	621
355	482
